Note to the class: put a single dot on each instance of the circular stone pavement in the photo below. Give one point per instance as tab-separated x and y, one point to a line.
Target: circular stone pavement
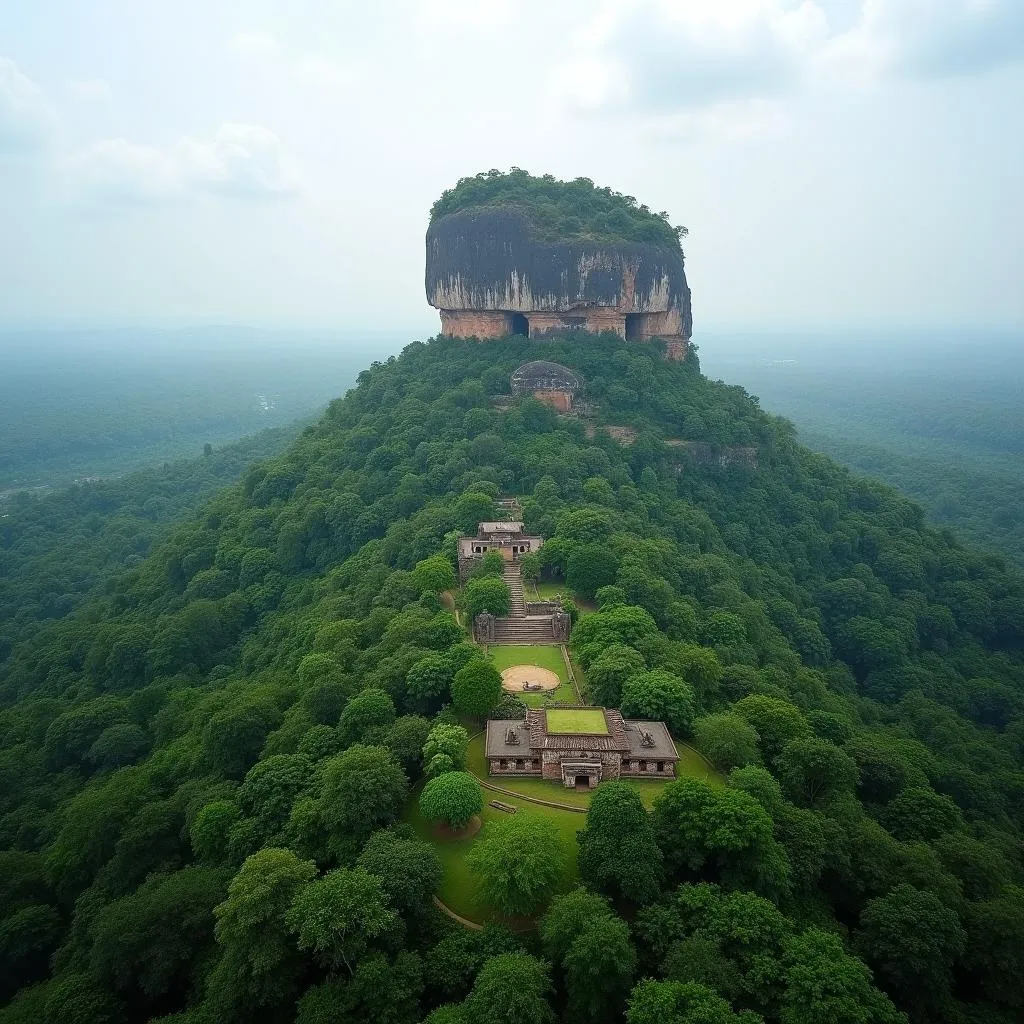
516	678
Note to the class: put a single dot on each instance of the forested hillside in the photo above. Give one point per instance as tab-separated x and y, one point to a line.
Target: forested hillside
57	548
205	772
938	419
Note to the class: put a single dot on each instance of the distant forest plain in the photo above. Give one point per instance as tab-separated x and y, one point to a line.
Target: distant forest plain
937	416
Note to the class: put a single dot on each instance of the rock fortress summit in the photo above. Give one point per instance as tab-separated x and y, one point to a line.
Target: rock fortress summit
517	254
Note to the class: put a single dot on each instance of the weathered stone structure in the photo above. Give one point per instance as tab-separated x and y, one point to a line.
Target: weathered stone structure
623	749
550	383
507	538
489	275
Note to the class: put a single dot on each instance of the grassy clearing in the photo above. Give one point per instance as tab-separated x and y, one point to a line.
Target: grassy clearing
583	720
458	886
547	656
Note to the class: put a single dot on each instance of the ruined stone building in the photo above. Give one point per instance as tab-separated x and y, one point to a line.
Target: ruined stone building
579	747
507	538
489	275
550	383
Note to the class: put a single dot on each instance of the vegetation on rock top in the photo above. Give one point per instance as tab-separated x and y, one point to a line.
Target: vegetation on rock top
561	211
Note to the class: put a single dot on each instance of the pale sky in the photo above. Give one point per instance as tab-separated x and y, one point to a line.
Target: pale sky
839	163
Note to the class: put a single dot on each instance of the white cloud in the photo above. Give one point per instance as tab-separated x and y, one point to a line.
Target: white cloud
669	56
241	160
256	43
930	38
325	74
26	118
87	89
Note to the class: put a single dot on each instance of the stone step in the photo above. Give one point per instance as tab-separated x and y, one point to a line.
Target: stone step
523	630
513	577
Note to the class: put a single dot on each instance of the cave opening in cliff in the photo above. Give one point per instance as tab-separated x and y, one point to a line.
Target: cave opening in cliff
634	326
520	325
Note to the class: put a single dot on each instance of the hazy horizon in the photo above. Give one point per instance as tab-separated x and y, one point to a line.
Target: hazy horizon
839	163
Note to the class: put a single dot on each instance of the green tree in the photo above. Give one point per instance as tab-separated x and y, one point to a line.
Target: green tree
488	594
994	950
454	798
700	667
823	984
428	682
593	948
492	563
445	749
590	567
511	988
518	862
364	789
726	833
812	771
409	870
726	740
146	944
676	1002
211	828
434	575
607	674
920	814
473	508
911	941
340	916
476	688
405	739
367	716
234	736
270	788
529	566
618	855
662	697
775	721
380	991
258	966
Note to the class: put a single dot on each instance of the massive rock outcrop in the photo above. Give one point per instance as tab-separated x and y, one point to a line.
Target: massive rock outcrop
490	274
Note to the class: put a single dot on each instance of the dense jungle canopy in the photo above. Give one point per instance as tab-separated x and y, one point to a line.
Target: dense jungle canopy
205	769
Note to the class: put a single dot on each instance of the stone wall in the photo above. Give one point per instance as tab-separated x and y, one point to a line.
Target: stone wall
561	401
528	764
638	768
475	324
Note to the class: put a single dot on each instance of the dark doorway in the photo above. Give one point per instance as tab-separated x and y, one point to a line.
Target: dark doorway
583	782
520	325
634	326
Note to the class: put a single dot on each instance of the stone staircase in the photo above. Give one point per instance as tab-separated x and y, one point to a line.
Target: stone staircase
534	629
513	577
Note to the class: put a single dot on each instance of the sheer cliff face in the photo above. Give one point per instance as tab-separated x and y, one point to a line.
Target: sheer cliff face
485	266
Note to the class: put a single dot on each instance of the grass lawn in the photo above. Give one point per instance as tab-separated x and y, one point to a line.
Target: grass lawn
542	655
547	656
458	886
584	720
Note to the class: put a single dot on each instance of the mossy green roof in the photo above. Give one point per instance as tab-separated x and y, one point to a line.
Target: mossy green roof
586	721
